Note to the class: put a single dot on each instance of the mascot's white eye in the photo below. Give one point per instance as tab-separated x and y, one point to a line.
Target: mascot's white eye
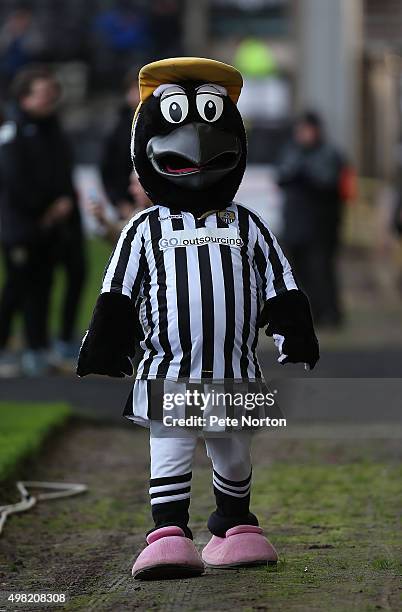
209	106
175	108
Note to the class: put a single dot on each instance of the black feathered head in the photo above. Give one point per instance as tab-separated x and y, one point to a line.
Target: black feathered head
188	143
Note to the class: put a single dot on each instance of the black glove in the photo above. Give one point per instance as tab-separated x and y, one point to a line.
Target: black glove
290	323
109	342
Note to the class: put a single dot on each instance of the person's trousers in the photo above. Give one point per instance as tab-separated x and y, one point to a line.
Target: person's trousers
71	257
171	474
28	279
314	265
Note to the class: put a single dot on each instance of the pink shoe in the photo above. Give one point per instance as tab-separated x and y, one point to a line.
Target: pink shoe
169	554
242	545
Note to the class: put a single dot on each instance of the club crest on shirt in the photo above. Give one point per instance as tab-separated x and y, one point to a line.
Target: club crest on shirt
227	216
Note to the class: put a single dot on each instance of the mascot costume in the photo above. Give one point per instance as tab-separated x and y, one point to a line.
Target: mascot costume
186	289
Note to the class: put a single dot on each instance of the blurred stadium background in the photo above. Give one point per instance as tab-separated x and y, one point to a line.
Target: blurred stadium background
329	489
341	58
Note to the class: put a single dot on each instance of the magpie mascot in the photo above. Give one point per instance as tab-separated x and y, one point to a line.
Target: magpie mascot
189	284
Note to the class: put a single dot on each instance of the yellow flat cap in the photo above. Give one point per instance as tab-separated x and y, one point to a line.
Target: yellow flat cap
175	69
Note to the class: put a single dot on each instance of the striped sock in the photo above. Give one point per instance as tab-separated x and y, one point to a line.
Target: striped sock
170	488
234	488
170	501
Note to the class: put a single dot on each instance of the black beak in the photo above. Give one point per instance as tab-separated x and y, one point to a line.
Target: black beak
195	155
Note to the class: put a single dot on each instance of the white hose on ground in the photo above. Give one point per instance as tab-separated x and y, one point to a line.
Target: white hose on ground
27	501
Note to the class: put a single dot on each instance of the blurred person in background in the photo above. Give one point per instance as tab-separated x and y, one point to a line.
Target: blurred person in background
116	166
396	232
112	228
40	221
166	19
310	174
120	39
21	42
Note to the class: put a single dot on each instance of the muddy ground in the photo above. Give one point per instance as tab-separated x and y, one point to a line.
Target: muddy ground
332	508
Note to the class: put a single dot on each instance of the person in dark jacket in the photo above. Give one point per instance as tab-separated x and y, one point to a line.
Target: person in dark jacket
39	217
116	164
309	175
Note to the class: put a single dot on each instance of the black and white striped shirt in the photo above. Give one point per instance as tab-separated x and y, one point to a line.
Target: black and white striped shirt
198	286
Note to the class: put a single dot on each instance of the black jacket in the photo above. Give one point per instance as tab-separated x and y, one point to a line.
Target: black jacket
116	164
35	170
310	181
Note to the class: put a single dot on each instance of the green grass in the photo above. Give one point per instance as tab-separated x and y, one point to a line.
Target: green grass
23	428
331	496
332	509
336	526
